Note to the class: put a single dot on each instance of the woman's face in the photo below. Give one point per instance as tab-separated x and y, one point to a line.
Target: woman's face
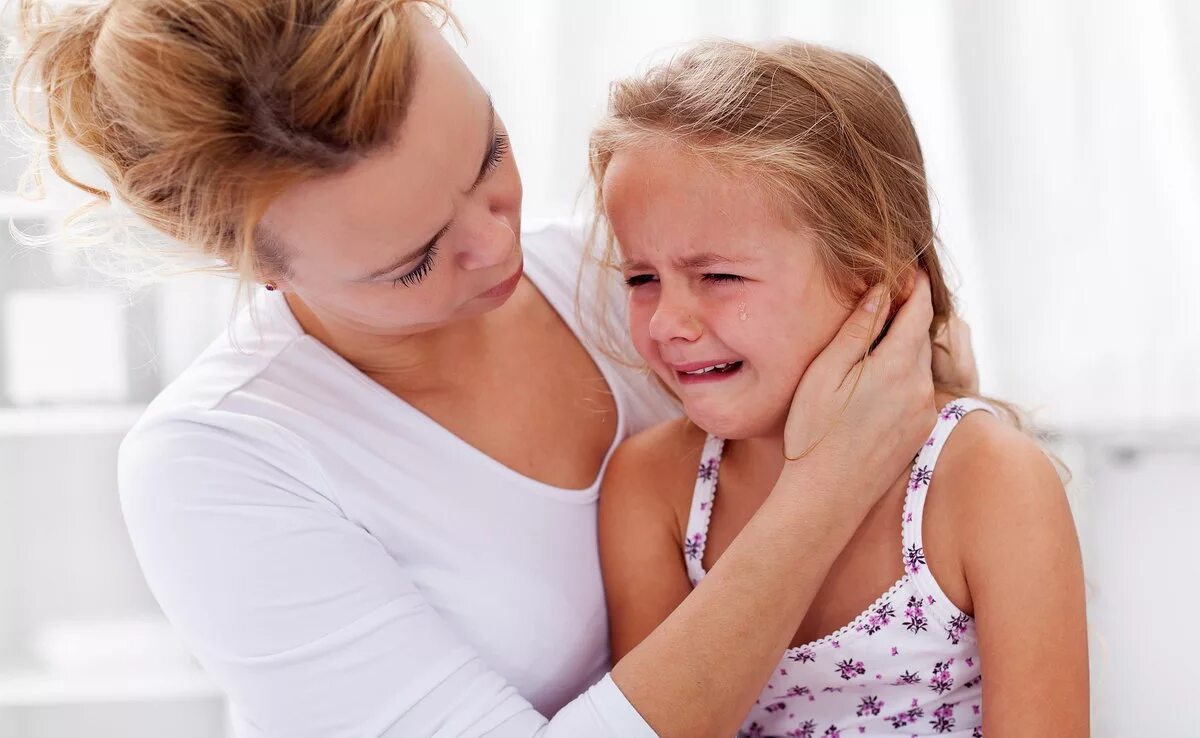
419	235
728	304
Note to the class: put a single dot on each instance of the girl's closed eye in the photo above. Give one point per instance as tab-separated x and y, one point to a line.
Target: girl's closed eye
637	280
723	279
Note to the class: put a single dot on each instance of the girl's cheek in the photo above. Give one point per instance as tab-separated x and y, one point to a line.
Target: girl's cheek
640	312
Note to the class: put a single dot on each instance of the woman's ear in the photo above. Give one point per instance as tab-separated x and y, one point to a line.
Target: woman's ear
272	281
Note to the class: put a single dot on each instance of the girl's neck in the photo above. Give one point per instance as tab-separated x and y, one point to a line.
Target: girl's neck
760	457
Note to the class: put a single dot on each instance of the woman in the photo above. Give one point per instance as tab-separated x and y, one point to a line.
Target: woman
370	509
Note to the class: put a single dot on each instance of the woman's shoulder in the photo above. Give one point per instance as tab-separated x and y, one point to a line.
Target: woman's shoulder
561	261
554	248
590	299
191	449
254	341
261	370
231	415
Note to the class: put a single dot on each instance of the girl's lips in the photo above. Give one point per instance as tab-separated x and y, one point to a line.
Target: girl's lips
696	365
728	370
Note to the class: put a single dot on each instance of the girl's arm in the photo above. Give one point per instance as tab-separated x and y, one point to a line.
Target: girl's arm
1022	564
641	553
698	672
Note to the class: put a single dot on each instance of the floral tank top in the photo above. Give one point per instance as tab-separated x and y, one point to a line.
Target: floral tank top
908	665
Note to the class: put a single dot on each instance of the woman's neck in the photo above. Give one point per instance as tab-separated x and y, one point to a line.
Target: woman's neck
437	359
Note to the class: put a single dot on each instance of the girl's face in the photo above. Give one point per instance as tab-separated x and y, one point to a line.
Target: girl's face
418	235
727	303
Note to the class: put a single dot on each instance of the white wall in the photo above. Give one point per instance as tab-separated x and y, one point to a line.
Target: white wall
1137	507
1063	144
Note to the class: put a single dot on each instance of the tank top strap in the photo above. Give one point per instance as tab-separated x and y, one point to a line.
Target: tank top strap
704	494
922	475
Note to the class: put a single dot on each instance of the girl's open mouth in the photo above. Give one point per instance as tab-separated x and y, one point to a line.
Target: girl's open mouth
709	372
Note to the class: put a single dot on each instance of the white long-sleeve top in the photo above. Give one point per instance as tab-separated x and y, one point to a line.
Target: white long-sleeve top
344	566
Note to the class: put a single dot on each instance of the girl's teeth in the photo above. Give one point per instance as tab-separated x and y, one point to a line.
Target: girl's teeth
706	370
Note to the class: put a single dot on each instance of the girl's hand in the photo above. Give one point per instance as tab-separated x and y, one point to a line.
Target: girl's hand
860	420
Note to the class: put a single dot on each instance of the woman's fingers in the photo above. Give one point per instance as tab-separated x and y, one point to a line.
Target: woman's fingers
910	328
954	357
856	334
893	397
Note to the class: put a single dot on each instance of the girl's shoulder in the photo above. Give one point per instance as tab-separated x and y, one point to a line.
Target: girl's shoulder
987	460
992	483
657	466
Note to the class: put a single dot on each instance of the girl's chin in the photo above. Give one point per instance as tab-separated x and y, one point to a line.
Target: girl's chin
736	423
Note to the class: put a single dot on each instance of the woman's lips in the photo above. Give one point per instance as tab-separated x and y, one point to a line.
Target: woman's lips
505	288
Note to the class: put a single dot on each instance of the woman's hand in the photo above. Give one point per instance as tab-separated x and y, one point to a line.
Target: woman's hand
953	358
861	419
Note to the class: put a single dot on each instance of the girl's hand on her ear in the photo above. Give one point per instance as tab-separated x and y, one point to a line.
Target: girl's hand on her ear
953	357
860	419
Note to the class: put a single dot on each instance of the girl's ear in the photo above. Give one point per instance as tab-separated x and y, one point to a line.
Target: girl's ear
908	280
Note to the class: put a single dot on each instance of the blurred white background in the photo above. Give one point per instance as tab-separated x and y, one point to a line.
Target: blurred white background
1063	144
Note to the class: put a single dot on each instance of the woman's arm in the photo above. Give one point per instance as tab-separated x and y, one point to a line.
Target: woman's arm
698	673
309	625
299	614
1022	564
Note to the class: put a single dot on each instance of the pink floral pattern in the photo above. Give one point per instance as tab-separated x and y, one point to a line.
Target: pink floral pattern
908	665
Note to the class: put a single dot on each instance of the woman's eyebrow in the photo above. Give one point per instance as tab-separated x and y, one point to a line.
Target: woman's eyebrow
489	145
429	245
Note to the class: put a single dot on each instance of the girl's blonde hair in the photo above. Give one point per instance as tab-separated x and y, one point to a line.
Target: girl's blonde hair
827	135
200	112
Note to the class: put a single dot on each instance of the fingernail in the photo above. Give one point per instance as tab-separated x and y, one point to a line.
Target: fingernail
873	299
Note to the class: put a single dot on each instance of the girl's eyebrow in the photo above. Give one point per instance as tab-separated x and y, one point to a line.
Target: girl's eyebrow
689	262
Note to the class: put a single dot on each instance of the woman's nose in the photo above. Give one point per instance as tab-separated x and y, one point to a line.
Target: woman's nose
490	242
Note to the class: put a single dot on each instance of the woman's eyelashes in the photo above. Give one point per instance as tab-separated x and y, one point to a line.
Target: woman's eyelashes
419	272
498	151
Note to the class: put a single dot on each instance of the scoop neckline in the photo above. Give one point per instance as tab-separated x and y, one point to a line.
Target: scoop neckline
535	271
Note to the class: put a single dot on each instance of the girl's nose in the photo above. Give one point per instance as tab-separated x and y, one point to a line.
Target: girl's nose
672	322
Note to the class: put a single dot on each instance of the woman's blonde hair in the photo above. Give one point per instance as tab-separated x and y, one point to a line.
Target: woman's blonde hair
827	135
200	112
